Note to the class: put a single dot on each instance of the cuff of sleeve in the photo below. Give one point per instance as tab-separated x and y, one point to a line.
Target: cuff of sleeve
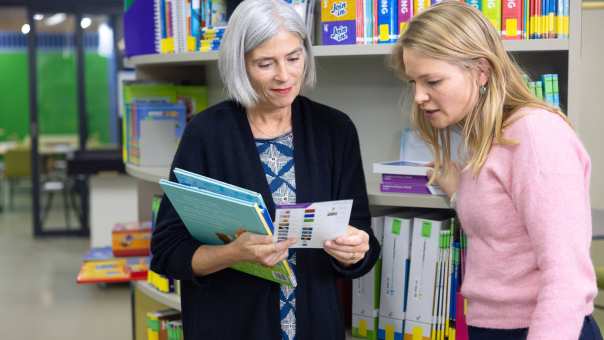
353	271
185	251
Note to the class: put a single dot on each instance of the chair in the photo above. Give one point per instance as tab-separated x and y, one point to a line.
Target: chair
17	167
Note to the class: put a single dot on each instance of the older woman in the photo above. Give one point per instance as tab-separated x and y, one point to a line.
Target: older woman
269	139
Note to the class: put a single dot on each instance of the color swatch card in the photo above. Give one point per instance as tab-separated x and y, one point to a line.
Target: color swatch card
312	223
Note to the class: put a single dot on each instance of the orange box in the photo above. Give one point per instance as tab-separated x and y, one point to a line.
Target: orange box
131	239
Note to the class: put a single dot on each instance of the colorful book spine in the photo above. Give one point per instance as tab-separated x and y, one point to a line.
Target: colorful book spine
395	275
556	90
368	21
492	10
196	23
565	18
511	20
405	13
420	6
526	14
548	88
360	22
539	89
387	21
475	3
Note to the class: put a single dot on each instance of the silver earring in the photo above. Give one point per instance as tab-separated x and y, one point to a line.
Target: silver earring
482	90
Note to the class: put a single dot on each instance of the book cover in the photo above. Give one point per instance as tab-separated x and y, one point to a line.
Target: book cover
405	188
113	270
422	276
511	20
387	21
401	168
366	292
139	28
404	179
492	10
131	239
339	33
215	218
395	273
338	10
405	13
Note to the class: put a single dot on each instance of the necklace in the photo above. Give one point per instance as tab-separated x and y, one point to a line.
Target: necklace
280	130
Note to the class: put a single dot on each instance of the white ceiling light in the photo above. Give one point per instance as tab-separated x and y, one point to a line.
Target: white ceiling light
38	17
55	19
85	22
25	29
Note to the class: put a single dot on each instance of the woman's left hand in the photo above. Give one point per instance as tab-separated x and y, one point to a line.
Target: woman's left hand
349	248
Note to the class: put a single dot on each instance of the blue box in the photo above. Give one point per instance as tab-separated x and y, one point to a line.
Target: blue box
339	33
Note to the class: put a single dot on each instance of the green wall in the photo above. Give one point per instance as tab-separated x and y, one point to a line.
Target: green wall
57	105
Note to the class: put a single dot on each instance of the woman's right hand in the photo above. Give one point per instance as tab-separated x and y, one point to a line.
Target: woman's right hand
447	179
260	248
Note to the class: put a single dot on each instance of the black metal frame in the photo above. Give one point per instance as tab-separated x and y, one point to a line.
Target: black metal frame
81	181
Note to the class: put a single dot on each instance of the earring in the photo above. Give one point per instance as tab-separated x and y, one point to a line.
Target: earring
482	90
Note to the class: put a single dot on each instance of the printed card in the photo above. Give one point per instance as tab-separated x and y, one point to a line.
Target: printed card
312	223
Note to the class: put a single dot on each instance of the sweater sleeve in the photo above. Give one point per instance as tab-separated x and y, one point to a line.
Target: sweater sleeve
550	190
172	246
350	184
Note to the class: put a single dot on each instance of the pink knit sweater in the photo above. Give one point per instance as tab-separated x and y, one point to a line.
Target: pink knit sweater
528	220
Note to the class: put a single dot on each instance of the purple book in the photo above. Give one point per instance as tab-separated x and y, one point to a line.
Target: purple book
139	28
404	179
405	188
339	33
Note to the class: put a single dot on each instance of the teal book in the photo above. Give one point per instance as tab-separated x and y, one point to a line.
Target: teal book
217	213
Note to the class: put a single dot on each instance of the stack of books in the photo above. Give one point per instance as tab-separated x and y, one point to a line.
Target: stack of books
100	266
211	38
405	177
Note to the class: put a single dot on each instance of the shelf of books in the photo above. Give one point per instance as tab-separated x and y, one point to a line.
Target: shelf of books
151	174
404	200
169	299
185	58
154	174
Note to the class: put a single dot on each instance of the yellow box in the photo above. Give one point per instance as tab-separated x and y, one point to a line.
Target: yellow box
338	10
131	239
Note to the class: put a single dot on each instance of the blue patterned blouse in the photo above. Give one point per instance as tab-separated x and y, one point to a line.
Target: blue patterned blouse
277	156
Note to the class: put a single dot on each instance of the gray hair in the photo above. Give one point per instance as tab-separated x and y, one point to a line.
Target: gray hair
252	23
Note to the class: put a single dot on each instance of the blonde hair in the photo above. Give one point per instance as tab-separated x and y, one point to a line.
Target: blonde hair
455	32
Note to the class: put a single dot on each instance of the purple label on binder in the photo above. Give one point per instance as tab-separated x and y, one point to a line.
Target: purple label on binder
339	33
410	188
406	179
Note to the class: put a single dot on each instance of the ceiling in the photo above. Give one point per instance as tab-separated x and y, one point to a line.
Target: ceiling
68	6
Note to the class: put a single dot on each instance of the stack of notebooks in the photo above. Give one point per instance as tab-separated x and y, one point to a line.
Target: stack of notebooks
405	177
217	213
100	266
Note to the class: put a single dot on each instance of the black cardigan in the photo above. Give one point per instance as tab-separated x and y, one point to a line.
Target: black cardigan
232	305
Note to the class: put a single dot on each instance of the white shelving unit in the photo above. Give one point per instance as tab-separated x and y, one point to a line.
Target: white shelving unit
150	174
169	299
357	80
192	58
375	196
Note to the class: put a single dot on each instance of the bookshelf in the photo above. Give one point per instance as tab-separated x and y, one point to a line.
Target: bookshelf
357	80
168	299
338	51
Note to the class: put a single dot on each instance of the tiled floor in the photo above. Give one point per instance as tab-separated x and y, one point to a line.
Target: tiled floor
39	298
